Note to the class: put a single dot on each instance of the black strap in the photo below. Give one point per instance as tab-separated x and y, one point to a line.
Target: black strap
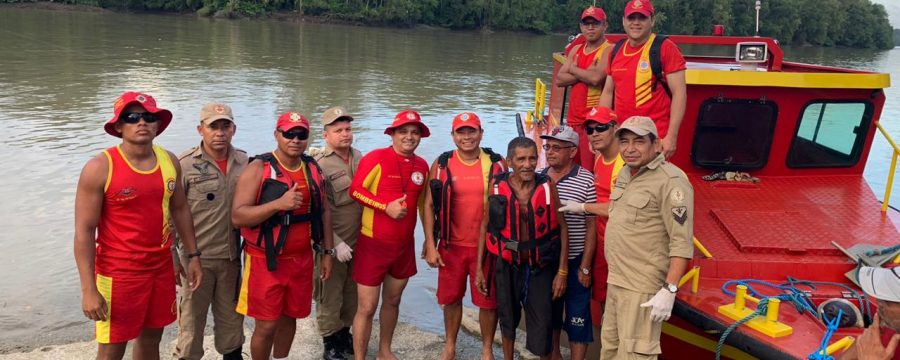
655	61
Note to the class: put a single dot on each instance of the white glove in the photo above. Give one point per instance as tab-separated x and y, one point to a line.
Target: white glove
313	151
661	305
572	207
343	252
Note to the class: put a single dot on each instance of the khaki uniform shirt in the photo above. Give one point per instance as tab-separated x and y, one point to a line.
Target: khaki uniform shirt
651	218
209	196
345	212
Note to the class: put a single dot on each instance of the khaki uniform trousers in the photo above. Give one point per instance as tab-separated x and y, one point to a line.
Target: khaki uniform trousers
221	278
627	331
335	298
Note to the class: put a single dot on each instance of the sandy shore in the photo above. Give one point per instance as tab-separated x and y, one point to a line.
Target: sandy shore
410	342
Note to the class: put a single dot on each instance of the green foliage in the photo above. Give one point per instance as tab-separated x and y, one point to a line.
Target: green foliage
853	23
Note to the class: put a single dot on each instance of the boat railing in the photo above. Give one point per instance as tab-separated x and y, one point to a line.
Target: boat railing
890	180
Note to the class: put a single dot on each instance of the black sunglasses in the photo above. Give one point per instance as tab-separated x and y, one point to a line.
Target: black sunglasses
291	135
598	128
135	117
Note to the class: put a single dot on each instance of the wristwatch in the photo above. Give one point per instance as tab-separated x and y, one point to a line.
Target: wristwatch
585	271
194	254
672	288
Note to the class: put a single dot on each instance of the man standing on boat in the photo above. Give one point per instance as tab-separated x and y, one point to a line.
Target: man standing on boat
455	202
585	72
574	184
336	297
645	76
280	206
879	341
210	175
389	186
124	202
648	244
600	125
529	240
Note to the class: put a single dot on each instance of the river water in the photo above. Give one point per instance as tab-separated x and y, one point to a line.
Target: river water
60	72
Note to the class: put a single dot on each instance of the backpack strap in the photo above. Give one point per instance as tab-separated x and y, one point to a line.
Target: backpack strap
656	64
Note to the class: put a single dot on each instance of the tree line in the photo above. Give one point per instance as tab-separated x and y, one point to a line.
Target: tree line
852	23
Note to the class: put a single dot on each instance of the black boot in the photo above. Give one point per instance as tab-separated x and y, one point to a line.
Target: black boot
234	355
333	347
347	340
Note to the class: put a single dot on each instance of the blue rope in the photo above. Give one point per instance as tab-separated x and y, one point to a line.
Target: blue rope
801	301
760	310
861	298
832	325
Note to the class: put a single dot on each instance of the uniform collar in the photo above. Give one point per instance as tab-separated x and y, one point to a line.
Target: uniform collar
200	154
655	163
328	151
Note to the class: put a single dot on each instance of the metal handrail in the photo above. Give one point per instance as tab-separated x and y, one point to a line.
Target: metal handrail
890	180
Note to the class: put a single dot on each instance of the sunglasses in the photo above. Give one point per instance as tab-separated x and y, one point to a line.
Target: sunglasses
556	147
135	117
597	128
291	135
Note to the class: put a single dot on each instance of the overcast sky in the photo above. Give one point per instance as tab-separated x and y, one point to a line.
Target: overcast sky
893	10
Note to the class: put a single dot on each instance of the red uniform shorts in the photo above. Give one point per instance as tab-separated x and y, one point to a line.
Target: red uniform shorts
461	262
375	258
287	291
135	302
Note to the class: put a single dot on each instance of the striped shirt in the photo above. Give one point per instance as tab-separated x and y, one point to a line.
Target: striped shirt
578	186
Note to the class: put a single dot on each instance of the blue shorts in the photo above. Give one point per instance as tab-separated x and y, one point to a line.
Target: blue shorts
576	304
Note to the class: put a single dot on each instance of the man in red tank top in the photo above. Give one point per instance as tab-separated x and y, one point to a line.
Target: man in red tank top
633	90
585	72
127	196
276	286
469	168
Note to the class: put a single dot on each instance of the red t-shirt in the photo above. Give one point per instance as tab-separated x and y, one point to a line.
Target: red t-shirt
582	96
223	166
624	72
467	201
384	176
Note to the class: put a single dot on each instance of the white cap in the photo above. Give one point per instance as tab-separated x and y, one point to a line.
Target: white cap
880	283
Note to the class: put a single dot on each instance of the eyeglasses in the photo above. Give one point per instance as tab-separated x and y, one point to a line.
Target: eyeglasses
291	135
588	24
135	117
556	147
597	128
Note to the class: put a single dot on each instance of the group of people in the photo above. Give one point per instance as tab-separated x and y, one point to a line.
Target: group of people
607	224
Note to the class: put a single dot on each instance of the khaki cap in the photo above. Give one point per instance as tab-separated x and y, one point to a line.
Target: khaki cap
333	114
640	125
215	111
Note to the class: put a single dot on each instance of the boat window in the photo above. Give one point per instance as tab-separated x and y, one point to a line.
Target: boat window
734	134
830	134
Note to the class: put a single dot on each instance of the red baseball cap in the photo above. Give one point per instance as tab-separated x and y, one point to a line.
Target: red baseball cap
593	12
290	120
146	101
643	7
601	114
466	119
408	117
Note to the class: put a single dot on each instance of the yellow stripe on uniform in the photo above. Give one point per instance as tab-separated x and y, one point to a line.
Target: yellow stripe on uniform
109	170
104	287
368	216
245	282
164	161
642	76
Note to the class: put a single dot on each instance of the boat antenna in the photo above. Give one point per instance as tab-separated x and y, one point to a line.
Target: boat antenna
758	5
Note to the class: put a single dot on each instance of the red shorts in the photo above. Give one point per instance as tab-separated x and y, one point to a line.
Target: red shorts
135	302
461	262
375	258
269	295
600	271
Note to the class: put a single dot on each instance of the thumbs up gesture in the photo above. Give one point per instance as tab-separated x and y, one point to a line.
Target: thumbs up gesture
397	209
292	199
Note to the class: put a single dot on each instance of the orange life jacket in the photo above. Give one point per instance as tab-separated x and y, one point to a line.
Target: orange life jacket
542	243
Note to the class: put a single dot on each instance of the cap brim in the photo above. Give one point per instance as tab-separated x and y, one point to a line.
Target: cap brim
887	281
638	132
644	12
216	118
422	128
339	118
592	17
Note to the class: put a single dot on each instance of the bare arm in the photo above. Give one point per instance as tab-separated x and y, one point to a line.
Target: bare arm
565	77
430	247
482	237
590	244
678	87
606	97
563	228
184	225
88	206
599	209
595	73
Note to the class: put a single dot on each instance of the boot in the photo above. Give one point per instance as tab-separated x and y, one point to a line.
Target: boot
347	340
333	347
234	355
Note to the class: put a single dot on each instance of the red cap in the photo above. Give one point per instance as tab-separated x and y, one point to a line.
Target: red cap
408	117
290	120
601	114
643	7
466	119
593	12
146	101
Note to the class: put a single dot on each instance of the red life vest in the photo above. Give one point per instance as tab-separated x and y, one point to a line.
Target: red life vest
442	190
263	236
542	246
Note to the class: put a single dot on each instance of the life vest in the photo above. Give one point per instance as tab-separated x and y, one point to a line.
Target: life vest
655	58
503	238
271	234
442	190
